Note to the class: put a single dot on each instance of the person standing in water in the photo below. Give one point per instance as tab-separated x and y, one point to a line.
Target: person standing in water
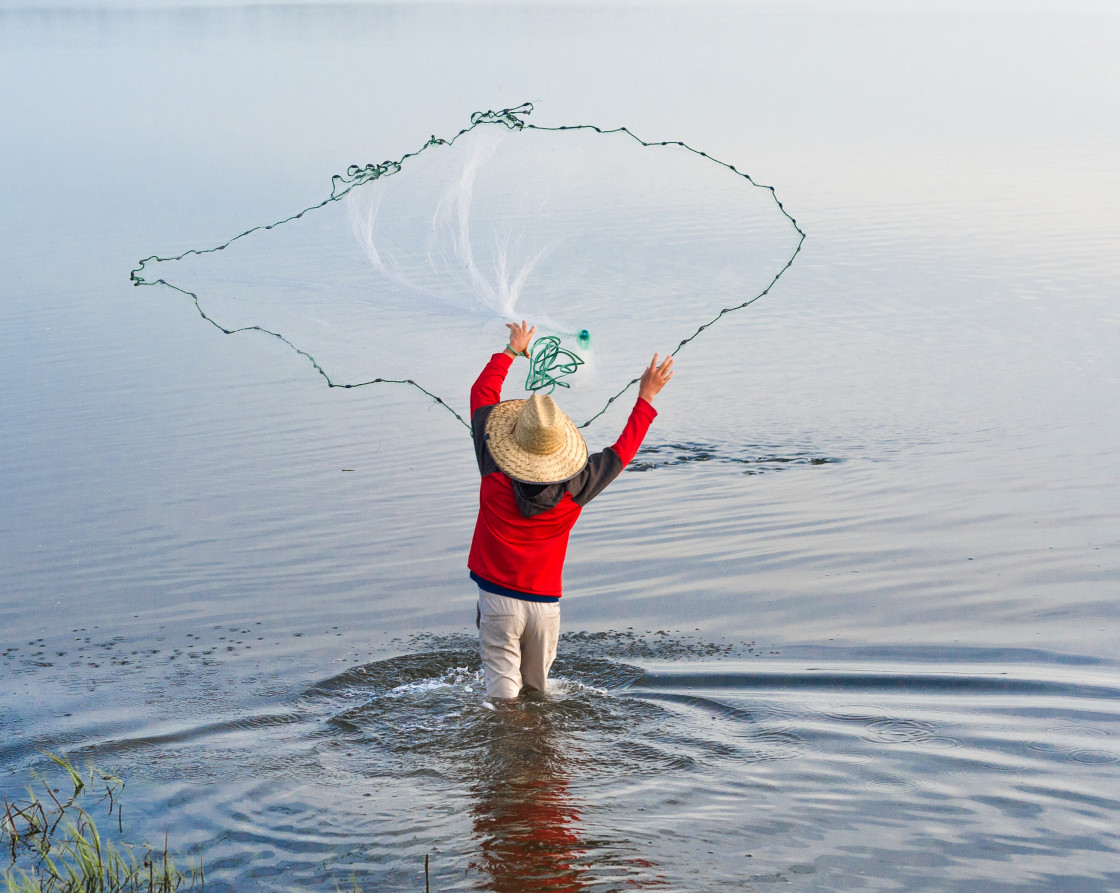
536	478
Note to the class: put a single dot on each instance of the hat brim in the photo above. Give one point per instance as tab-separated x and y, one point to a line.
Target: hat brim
528	467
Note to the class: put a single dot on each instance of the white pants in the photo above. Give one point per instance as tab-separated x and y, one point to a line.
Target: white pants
518	643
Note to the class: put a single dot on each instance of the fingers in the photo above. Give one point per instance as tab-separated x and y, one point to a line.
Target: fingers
665	370
520	336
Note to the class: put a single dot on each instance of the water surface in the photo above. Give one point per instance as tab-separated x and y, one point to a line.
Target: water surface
850	620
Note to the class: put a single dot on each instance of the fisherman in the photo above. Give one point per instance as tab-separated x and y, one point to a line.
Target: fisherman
536	478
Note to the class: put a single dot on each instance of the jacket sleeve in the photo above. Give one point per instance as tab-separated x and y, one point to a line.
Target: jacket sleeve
641	417
487	389
605	466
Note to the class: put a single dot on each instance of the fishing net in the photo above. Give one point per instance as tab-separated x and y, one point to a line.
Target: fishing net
614	247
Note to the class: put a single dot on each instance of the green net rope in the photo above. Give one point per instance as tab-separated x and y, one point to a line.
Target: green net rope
548	363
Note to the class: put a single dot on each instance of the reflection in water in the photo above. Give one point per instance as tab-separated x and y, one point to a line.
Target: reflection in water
526	821
517	764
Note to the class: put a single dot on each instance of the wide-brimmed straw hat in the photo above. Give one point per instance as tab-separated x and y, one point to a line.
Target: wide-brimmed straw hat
533	441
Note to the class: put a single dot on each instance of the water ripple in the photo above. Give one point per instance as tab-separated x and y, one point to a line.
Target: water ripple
313	782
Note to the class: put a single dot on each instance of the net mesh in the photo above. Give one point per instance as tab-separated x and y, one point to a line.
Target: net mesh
407	272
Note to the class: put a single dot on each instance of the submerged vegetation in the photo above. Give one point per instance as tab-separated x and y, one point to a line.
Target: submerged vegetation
54	846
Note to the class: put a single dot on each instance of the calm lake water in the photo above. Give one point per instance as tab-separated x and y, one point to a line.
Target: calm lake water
850	622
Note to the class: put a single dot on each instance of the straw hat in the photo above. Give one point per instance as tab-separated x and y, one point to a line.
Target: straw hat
534	442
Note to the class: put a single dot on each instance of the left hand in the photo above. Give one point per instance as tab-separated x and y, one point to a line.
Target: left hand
520	337
655	378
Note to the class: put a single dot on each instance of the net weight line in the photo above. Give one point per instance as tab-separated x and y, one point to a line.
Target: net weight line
358	175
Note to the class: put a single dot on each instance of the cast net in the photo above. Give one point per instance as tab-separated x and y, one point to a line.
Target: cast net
613	246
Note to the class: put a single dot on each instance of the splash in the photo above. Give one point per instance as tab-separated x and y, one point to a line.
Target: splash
407	272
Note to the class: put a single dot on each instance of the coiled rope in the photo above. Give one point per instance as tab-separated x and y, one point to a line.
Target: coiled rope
548	363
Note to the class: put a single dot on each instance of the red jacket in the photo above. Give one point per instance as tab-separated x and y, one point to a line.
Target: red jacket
521	535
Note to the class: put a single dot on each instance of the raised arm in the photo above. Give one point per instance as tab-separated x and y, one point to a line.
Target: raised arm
603	467
654	378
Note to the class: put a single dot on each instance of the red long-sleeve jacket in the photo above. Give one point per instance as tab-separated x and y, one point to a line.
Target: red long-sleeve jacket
521	535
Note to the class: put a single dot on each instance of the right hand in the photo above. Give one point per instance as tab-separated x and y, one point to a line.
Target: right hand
655	378
520	337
